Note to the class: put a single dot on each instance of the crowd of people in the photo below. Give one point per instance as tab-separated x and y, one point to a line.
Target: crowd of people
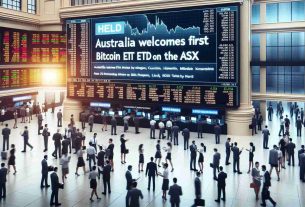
71	142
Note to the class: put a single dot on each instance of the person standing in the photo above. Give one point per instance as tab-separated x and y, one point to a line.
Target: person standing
136	121
72	122
169	155
106	177
55	188
287	123
228	150
221	185
282	145
93	184
65	145
6	137
215	163
39	121
45	134
57	137
169	125
59	118
266	185
161	130
25	135
302	167
165	183
129	178
193	149
260	121
91	121
256	179
158	154
282	123
266	134
83	119
251	155
217	131
123	149
201	157
126	122
186	137
197	184
175	191
44	172
302	114
290	150
133	196
100	160
65	159
110	154
94	141
273	161
22	114
15	114
254	123
200	125
152	124
301	151
11	160
270	112
91	152
151	171
104	118
113	123
175	133
299	124
236	154
3	174
141	158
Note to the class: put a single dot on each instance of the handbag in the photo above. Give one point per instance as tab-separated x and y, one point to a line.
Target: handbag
211	165
126	151
252	185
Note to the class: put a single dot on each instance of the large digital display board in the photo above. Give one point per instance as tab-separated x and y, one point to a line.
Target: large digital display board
177	56
31	47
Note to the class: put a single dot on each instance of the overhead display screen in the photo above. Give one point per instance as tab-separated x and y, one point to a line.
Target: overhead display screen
178	56
28	47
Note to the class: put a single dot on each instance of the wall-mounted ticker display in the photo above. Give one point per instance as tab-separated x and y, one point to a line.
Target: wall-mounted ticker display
29	47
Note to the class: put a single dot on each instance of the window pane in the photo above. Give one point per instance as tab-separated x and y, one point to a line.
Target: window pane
271	13
255	39
271	39
285	12
255	14
284	39
298	38
255	53
298	11
255	78
272	53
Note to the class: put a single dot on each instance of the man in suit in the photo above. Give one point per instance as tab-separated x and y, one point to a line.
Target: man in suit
265	190
299	124
301	151
6	137
302	114
25	135
59	118
44	172
45	134
290	150
91	121
113	123
215	164
175	133
236	153
254	123
266	134
55	188
83	119
106	177
217	131
136	121
128	177
57	137
65	145
152	124
228	150
151	171
39	121
133	196
221	184
193	149
175	191
169	126
270	112
200	125
186	137
274	160
3	174
197	184
302	166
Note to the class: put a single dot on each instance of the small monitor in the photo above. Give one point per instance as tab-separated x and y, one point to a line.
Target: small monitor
120	113
164	116
194	119
139	113
182	118
111	113
209	121
128	111
156	117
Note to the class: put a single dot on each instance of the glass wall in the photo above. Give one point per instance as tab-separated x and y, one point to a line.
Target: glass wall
255	19
11	4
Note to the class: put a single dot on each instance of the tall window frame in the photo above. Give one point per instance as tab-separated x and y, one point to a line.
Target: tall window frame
11	4
32	6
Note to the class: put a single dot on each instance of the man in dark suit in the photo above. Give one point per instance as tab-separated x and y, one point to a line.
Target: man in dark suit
301	151
186	137
299	124
39	121
200	125
302	166
106	177
25	135
6	137
57	137
3	174
221	184
45	134
151	171
265	190
228	150
65	145
91	121
136	121
193	149
175	133
215	164
236	153
266	134
254	123
83	119
113	123
55	188
175	191
128	177
44	172
290	150
217	131
197	186
133	196
59	118
270	112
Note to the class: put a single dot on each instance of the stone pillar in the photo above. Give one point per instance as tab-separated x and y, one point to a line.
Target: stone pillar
71	106
238	120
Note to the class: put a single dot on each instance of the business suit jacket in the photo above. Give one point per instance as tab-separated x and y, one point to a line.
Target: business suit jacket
290	148
59	115
197	186
273	157
216	158
25	134
101	158
186	133
129	179
132	197
40	119
65	144
57	139
106	172
54	181
175	130
254	121
151	169
83	117
221	179
44	167
193	149
217	130
200	126
3	173
299	123
45	132
267	179
266	133
228	146
91	119
6	133
113	122
236	152
175	192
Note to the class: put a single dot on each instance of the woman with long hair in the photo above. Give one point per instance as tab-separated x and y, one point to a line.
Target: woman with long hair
168	157
141	158
12	158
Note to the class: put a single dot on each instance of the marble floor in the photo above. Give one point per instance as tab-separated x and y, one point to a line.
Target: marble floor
23	189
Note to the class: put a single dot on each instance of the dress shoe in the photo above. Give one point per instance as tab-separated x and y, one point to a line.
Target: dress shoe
23	151
223	199
104	193
47	186
240	173
217	201
57	204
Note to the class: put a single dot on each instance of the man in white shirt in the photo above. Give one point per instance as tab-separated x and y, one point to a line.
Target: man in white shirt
91	154
169	126
161	130
152	128
94	141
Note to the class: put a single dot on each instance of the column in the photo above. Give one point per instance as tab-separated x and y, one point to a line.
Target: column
238	120
263	76
71	106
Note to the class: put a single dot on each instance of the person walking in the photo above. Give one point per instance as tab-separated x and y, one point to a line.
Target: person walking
133	196
25	135
91	121
228	150
221	185
55	188
57	137
165	183
168	157
299	124
158	154
266	185
301	151
215	163
273	161
193	150
44	172
197	184
113	123
83	119
104	120
251	151
152	124
175	191
290	151
270	112
64	161
161	130
129	179
66	143
6	137
91	152
15	114
11	159
236	154
110	154
80	161
266	134
201	157
282	145
45	134
39	121
151	171
256	179
3	174
59	118
141	158
169	125
253	124
93	184
302	167
106	177
282	126
186	137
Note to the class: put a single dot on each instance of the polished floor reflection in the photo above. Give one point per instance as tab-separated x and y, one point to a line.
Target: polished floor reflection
23	189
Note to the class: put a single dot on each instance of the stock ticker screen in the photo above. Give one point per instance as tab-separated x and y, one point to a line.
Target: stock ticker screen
178	56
